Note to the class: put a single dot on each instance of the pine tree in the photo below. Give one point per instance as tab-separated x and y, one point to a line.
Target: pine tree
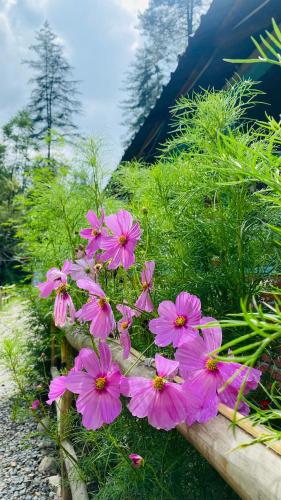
144	82
53	101
165	27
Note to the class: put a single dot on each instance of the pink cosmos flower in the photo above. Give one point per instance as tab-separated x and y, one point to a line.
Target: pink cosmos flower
57	280
83	268
119	248
137	460
123	326
176	322
98	388
97	310
144	302
205	376
95	233
162	401
35	404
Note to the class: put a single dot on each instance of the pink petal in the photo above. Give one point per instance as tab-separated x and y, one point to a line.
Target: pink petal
88	405
93	219
86	233
78	362
112	223
147	273
126	311
144	302
166	367
190	306
105	357
131	386
212	336
55	274
60	310
91	286
113	382
243	373
167	309
79	382
135	232
166	332
125	221
88	311
169	407
66	266
103	323
110	243
46	288
110	407
71	309
229	397
128	258
141	403
125	342
204	385
93	245
57	388
89	361
115	256
191	356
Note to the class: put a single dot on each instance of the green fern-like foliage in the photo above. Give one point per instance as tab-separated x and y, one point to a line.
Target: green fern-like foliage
206	224
268	48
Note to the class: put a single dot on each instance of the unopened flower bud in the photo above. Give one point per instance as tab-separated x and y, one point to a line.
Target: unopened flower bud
137	460
35	404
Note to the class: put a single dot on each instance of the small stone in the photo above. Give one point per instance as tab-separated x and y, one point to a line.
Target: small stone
48	465
46	443
54	482
13	464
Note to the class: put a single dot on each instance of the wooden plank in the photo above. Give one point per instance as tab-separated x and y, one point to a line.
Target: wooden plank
254	472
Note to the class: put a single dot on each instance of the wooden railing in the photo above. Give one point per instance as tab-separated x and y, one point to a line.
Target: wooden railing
254	472
6	293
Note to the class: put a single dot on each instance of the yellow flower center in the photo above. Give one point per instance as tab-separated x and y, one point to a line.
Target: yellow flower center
102	302
211	365
123	240
124	325
180	321
145	286
61	289
158	383
95	232
100	383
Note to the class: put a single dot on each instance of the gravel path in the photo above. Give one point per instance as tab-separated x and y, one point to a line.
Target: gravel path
20	454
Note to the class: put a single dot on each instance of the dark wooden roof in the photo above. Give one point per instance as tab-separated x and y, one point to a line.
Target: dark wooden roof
224	32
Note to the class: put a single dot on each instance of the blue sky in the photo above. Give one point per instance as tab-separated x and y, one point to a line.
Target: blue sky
99	37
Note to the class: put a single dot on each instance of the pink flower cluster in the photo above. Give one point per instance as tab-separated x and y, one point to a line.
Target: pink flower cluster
165	402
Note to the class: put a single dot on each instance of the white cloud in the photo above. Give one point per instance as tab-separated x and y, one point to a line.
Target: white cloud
38	5
133	6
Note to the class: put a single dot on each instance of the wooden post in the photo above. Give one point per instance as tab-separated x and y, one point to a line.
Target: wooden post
53	343
77	489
